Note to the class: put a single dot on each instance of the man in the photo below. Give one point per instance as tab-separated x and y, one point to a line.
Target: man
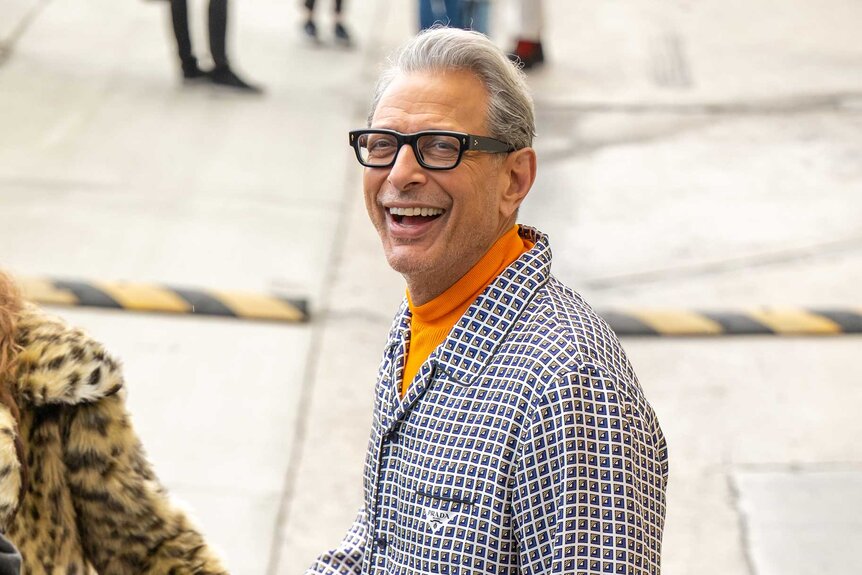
510	435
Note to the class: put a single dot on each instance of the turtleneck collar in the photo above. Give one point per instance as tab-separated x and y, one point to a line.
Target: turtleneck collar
431	322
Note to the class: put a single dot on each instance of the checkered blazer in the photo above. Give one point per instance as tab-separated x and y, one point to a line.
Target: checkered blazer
523	446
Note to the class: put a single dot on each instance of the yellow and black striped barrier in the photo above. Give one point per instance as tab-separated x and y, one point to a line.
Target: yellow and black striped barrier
759	321
157	298
637	322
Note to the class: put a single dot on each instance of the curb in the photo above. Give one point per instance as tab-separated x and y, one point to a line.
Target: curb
164	299
759	321
641	322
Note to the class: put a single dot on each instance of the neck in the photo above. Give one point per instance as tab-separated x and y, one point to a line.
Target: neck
426	285
422	291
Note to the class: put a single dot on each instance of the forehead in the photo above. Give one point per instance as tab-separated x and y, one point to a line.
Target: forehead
451	100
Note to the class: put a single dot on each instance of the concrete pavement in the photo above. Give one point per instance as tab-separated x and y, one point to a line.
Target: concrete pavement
691	154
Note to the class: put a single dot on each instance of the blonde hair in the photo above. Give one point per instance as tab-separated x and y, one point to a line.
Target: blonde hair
10	307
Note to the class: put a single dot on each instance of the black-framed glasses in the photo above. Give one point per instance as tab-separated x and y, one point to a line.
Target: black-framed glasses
434	149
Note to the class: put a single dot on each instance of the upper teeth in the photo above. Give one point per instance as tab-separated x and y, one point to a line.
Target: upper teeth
415	211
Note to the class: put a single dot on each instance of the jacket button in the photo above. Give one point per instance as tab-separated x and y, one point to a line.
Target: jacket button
392	434
381	543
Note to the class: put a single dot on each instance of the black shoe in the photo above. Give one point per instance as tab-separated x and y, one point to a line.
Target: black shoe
224	76
341	35
310	30
192	73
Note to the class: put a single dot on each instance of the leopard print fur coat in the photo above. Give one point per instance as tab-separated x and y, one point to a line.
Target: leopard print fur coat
93	504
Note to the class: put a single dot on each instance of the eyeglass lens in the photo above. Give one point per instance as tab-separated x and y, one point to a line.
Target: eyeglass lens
434	150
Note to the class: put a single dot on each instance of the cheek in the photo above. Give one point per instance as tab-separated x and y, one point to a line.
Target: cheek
371	183
481	196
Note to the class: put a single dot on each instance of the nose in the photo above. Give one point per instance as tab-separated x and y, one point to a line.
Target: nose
406	172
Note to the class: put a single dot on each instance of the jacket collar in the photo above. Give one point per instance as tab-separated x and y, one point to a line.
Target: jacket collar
59	364
476	336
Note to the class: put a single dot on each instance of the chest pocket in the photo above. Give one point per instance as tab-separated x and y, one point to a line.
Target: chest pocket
438	529
440	508
435	511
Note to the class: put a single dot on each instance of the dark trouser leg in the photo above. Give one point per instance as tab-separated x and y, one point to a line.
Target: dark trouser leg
180	21
218	32
222	75
341	34
309	5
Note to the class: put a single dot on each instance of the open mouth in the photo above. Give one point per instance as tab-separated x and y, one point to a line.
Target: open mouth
414	216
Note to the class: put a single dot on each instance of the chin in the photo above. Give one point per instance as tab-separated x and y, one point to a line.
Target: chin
400	264
405	262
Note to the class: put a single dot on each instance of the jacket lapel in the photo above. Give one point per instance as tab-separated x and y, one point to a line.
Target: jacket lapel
475	338
417	389
392	369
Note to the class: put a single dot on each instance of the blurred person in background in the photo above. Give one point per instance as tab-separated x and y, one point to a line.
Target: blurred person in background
342	37
467	14
510	433
441	12
221	74
76	490
476	15
528	48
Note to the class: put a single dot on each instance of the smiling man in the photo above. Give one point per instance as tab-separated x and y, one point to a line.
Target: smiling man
510	434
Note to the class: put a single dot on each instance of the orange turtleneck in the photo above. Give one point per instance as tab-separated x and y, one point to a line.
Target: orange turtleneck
431	322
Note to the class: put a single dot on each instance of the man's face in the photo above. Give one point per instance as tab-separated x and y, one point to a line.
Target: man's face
464	207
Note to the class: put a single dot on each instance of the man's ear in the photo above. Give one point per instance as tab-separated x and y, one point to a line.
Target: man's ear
520	168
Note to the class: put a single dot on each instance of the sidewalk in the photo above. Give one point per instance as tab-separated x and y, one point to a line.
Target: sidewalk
691	155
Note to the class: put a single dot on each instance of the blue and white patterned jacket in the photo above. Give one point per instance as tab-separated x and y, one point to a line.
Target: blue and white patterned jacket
524	445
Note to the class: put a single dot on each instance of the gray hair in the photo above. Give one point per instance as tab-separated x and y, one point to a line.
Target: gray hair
510	106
